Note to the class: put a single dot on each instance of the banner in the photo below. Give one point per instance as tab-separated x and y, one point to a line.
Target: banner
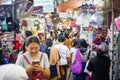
42	2
48	8
63	15
6	2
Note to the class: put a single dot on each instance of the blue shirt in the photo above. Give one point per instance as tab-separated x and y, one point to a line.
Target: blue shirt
43	47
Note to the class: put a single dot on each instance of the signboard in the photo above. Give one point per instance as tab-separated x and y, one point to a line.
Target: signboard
48	8
6	2
38	10
63	15
42	2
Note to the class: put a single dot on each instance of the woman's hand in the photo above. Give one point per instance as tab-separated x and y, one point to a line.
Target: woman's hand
58	77
29	69
37	67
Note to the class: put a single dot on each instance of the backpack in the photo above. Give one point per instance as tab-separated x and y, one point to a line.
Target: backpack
76	67
35	75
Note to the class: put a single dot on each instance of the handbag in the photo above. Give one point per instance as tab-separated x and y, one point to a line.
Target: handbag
76	67
35	75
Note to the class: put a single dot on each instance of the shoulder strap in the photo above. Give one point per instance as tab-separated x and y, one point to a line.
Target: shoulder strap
41	57
26	59
29	61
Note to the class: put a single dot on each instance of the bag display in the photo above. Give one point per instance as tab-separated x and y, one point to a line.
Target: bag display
11	26
2	15
4	25
35	75
76	67
117	22
72	24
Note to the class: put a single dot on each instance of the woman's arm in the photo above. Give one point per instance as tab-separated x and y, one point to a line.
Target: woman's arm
58	70
46	73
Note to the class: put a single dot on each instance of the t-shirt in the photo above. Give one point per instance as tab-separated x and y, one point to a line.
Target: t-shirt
43	47
22	62
63	52
99	68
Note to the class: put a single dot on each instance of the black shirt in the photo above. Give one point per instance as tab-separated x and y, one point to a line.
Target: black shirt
99	68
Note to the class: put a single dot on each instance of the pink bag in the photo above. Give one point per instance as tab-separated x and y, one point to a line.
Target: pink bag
72	24
117	22
76	67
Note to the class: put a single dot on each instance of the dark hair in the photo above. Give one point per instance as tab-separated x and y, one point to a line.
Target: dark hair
83	43
23	47
75	42
100	53
31	39
49	42
61	38
66	35
28	33
56	36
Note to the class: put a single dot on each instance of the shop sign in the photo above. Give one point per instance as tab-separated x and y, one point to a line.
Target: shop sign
6	2
38	10
42	2
48	8
63	15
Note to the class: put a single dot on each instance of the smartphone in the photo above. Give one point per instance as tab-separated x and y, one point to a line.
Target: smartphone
35	62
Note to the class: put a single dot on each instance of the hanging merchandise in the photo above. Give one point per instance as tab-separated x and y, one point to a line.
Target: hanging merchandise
37	24
4	25
10	24
24	23
79	20
72	24
17	41
96	18
83	19
2	15
75	15
16	25
117	22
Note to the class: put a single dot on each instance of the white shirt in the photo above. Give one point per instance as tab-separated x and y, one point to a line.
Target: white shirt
22	62
63	52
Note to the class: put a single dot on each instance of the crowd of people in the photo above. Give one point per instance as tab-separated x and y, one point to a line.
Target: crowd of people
50	55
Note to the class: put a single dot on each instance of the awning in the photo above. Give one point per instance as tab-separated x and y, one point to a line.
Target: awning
71	4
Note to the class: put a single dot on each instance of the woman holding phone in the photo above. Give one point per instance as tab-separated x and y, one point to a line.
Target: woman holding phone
36	63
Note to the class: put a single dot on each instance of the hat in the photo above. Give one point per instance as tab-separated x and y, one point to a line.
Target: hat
12	72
